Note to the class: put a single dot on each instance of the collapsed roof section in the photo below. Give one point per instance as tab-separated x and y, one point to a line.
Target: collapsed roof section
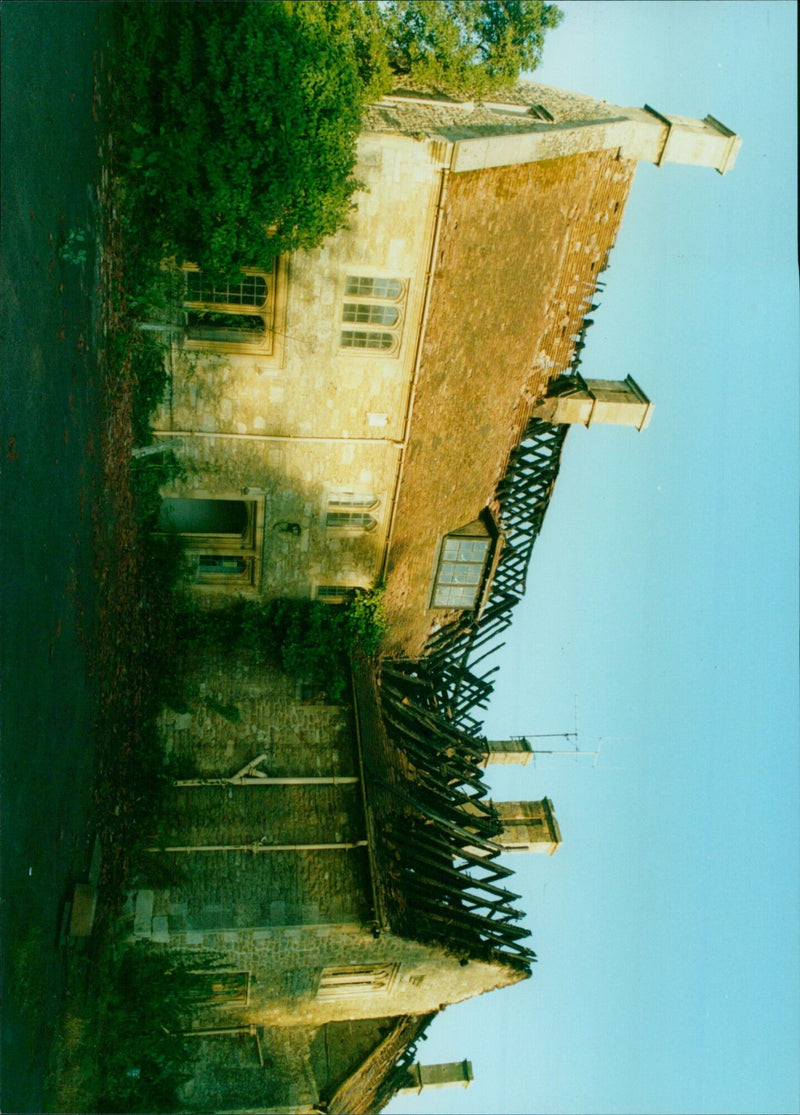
431	833
454	663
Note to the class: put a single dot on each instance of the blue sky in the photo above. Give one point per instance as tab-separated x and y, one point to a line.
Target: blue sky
663	598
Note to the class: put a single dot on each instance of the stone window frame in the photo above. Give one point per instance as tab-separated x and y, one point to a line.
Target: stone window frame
223	1000
224	575
271	313
247	546
349	511
333	592
351	981
368	301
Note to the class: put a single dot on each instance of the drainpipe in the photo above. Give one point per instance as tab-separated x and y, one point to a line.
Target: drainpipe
377	907
257	846
402	446
324	440
262	780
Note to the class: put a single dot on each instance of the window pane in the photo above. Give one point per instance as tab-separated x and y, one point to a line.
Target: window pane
358	980
203	516
370	313
251	291
459	573
356	520
450	549
373	288
352	499
465	549
362	338
211	325
473	549
455	596
335	593
221	563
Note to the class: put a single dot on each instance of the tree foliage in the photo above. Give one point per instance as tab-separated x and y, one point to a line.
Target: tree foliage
144	1056
244	117
238	121
467	47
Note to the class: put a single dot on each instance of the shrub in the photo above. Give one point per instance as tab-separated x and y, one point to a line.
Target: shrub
308	639
144	1056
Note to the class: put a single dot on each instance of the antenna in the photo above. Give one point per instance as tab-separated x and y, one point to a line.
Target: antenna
521	749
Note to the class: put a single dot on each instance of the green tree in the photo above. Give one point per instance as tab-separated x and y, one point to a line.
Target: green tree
238	121
243	119
152	998
467	47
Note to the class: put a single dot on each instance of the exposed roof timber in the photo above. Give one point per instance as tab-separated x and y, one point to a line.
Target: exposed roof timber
382	1073
524	495
433	833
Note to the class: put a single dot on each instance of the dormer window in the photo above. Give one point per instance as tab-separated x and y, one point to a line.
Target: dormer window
462	567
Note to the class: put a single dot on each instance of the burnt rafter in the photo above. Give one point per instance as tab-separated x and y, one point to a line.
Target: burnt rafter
440	869
454	652
437	834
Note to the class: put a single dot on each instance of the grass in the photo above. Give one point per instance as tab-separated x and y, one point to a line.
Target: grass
138	575
120	1046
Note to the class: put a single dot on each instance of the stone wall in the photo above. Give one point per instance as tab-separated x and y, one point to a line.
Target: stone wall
234	708
318	419
279	917
228	1074
237	710
301	1065
285	966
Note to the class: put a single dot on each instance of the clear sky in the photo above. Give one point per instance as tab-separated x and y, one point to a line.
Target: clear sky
663	598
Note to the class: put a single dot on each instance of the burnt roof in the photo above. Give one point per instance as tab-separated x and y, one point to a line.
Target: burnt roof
437	875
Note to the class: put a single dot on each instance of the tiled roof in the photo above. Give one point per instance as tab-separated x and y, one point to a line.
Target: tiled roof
518	259
414	112
377	1078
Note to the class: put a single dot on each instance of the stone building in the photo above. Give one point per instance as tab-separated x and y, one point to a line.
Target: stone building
390	407
343	416
347	871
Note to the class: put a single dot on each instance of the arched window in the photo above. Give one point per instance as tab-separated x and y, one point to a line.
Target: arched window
351	511
222	537
350	520
355	980
234	316
203	516
374	305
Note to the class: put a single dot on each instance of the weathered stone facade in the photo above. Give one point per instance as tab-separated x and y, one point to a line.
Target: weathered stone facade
439	315
348	418
322	427
282	916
